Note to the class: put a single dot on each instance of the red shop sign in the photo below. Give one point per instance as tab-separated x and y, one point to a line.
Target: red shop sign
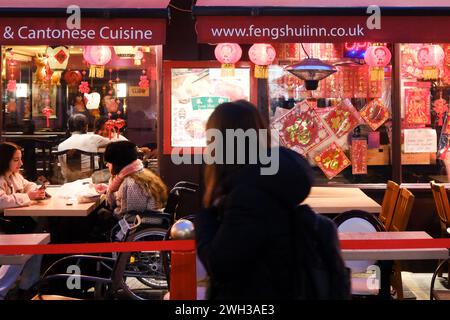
54	31
251	29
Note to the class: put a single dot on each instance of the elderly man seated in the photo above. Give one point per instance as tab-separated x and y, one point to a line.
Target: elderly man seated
81	140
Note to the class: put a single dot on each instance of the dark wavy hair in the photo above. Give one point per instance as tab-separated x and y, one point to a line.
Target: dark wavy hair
120	154
7	151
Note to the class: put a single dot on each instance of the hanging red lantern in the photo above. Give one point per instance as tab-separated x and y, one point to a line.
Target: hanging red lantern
228	54
261	54
97	57
430	58
377	57
73	78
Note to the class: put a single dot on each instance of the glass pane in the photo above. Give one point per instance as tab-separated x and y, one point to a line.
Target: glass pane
43	86
425	92
350	110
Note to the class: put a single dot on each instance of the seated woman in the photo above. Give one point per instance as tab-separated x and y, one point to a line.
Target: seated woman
16	191
131	187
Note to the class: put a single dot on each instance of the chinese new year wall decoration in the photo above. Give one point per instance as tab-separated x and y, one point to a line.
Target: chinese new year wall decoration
359	156
300	129
375	113
417	106
342	119
440	107
57	58
97	57
332	160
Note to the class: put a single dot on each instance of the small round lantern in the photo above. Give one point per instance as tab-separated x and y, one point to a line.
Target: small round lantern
430	58
377	57
261	54
73	78
97	57
228	54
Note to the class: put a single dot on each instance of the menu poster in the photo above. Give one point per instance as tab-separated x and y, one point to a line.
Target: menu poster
420	140
195	95
359	156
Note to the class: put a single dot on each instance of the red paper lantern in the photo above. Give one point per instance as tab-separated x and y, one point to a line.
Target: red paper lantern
430	58
73	78
228	54
97	55
261	54
377	57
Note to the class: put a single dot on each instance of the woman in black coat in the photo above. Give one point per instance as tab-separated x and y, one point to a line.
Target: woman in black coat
243	232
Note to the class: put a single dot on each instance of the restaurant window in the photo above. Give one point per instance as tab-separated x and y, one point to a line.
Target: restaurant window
344	126
43	86
425	90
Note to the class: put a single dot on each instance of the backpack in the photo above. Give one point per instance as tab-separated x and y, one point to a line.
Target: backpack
319	272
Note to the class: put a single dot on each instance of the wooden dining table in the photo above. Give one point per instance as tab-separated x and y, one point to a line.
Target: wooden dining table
54	207
21	239
335	200
387	256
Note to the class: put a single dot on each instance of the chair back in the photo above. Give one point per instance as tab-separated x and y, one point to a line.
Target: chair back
402	210
389	201
73	160
442	204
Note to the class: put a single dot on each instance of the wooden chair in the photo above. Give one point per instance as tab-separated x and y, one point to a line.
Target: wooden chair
389	202
443	209
399	222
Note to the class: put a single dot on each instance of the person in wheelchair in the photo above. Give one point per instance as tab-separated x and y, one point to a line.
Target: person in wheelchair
16	191
131	188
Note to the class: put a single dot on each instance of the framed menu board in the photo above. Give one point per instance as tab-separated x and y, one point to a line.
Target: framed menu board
196	89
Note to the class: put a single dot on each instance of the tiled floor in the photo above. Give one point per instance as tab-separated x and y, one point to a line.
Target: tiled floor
417	285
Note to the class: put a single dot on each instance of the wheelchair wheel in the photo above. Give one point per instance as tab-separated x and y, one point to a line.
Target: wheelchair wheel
144	276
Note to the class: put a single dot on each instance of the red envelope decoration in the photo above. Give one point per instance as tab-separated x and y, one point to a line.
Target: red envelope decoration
417	106
300	129
332	160
359	156
342	119
375	113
